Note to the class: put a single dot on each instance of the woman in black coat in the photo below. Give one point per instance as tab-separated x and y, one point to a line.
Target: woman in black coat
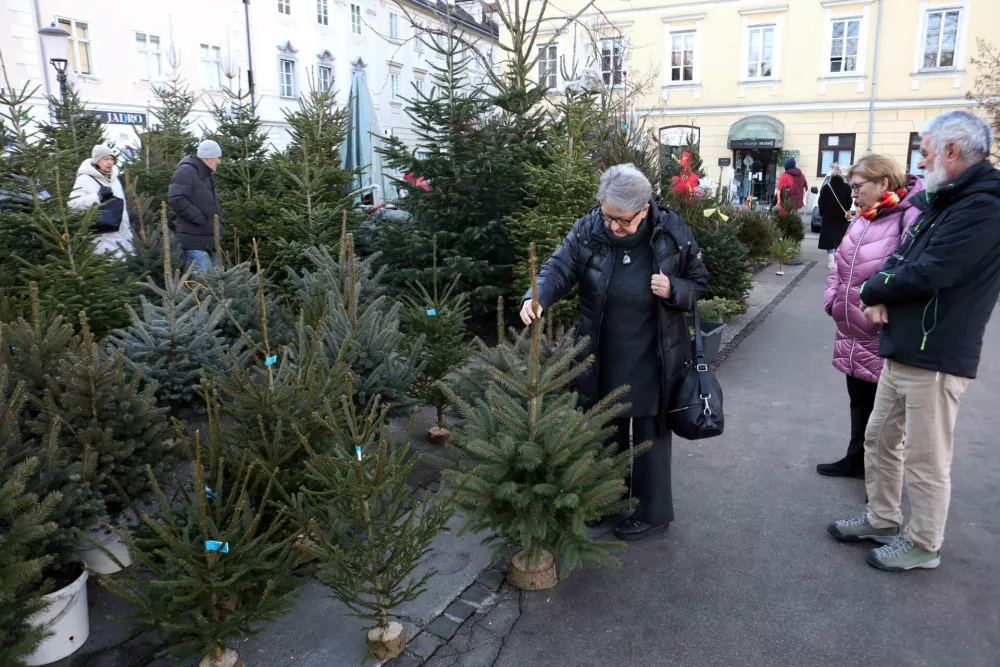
834	212
638	269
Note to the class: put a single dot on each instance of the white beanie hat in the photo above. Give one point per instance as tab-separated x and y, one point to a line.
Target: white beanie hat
100	151
209	149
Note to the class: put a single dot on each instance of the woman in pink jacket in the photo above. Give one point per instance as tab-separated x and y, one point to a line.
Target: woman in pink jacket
883	194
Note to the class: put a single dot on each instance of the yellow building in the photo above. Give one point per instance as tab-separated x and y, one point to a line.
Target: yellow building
755	80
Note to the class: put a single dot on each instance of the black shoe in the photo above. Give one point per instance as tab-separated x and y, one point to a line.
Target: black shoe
593	523
840	469
630	529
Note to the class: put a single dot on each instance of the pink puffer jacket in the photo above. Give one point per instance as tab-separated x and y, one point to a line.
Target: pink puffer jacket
863	252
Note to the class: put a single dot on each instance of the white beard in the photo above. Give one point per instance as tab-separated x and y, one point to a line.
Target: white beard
935	179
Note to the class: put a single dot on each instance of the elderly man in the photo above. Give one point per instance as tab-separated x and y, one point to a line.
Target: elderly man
638	269
933	297
192	196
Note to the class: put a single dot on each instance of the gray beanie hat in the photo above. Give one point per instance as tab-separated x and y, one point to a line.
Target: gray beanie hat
209	149
100	151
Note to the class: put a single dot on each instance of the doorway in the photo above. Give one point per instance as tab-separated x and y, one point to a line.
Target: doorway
756	174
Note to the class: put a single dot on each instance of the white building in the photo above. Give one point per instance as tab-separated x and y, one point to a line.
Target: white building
121	48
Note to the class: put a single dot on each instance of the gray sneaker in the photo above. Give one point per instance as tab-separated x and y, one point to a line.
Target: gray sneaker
855	530
903	555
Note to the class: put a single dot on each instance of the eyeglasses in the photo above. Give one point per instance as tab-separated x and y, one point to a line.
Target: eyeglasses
856	187
621	222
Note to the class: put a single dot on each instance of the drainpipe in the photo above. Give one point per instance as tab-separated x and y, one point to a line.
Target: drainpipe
41	46
871	104
246	18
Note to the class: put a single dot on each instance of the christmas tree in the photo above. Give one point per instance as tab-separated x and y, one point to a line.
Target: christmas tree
144	258
24	525
367	537
175	339
162	145
212	567
68	139
536	466
437	319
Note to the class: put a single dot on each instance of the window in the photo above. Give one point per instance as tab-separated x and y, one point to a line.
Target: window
285	7
79	44
915	156
941	38
286	78
394	87
844	46
548	74
148	48
682	56
837	148
419	85
418	44
211	67
324	77
393	25
612	51
761	54
356	19
322	12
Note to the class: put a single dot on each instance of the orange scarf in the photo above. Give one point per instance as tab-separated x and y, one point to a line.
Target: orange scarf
888	200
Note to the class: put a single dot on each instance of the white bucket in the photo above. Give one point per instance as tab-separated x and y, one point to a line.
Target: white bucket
98	561
67	619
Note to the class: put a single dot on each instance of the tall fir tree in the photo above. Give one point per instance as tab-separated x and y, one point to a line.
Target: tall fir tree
164	142
144	257
69	138
536	466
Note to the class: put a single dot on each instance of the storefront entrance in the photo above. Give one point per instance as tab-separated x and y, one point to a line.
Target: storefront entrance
756	142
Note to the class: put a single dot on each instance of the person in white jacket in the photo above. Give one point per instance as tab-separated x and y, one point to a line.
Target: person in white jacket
97	182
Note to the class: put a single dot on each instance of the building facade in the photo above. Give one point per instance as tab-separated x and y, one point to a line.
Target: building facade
755	81
121	49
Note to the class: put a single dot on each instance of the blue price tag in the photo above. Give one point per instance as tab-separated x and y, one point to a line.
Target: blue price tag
270	360
431	312
215	545
210	494
624	126
357	449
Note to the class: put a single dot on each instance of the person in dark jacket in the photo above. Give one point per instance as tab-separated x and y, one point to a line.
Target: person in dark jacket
639	270
834	212
192	196
933	298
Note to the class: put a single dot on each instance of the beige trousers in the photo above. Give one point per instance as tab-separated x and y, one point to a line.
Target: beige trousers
923	406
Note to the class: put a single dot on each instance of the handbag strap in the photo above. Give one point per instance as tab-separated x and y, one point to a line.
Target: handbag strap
829	184
699	344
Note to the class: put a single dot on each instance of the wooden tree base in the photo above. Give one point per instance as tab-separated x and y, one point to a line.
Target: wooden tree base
302	548
438	435
388	642
532	578
230	658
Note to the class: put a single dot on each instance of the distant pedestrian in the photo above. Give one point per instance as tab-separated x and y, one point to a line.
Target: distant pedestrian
834	212
885	197
639	270
192	196
933	299
97	184
792	186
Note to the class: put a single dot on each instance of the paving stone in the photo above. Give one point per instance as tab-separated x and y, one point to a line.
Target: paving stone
491	579
423	645
476	594
501	565
460	609
444	627
404	660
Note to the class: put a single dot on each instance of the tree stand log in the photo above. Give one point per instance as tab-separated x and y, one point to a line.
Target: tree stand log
537	578
438	435
230	658
388	642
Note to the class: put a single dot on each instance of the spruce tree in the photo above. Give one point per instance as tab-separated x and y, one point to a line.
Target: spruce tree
24	524
367	536
69	139
145	257
175	337
437	319
535	466
163	143
212	567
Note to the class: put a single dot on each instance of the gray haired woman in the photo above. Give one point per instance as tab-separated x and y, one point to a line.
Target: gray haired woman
638	269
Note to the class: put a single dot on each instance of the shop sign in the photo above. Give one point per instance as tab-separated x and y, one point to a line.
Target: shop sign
737	144
118	117
725	161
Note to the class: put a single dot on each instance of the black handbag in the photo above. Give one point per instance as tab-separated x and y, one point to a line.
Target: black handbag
110	213
696	408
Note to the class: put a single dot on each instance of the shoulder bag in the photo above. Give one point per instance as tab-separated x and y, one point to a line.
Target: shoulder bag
696	406
110	213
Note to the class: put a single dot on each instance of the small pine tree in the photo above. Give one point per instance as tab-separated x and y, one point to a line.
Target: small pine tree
144	258
367	536
162	145
68	139
437	319
176	339
213	567
726	259
535	466
24	525
693	147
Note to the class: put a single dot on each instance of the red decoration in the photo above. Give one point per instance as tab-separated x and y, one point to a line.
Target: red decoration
417	182
685	186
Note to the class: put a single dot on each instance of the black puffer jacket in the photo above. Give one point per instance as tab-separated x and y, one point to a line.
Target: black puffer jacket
586	258
942	284
192	196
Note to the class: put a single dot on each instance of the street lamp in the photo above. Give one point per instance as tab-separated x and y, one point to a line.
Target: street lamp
55	43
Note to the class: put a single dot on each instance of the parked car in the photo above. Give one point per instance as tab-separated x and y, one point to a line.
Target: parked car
815	222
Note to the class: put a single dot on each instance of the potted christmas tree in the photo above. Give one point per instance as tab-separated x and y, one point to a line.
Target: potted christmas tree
784	250
438	319
366	535
536	466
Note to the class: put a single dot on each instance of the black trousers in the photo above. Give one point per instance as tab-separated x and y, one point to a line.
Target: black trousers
650	480
862	395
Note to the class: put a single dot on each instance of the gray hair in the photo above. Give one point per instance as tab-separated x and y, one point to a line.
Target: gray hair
625	187
968	131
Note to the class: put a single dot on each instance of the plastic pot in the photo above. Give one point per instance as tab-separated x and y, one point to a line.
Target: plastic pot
68	621
95	559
